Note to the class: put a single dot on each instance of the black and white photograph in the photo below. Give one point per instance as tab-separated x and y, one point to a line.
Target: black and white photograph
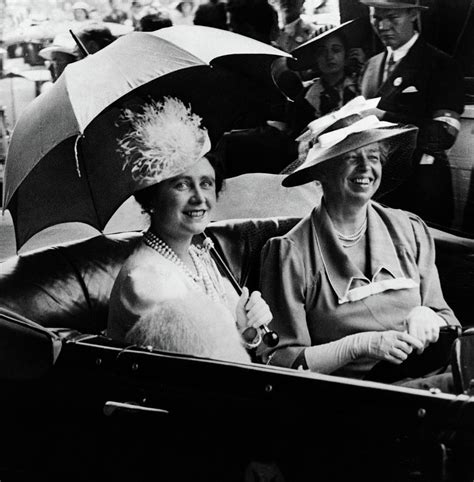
236	240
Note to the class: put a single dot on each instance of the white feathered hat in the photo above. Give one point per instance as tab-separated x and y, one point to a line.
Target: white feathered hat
165	140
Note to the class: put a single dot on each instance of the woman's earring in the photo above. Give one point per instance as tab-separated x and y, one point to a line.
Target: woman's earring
151	210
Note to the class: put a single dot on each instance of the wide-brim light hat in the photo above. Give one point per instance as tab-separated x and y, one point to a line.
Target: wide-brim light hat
62	42
394	4
335	135
164	140
356	32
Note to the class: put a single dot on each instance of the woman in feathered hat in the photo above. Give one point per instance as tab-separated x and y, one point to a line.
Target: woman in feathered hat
355	282
168	287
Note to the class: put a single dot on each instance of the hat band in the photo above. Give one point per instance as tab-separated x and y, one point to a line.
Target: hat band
332	138
357	105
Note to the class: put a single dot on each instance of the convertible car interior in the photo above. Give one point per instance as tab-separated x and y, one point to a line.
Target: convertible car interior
77	405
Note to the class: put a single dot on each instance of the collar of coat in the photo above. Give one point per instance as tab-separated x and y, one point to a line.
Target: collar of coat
385	266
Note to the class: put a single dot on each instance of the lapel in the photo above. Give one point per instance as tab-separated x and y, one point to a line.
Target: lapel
372	78
403	73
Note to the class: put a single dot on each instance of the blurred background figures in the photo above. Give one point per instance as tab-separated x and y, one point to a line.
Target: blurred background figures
116	14
81	11
211	14
94	37
154	19
295	30
63	50
59	54
183	13
135	13
253	18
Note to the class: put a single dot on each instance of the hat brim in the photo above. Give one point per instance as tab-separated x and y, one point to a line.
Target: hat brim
311	171
81	6
382	4
354	32
47	52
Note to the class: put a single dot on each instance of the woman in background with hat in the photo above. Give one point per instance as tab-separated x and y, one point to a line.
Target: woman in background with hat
169	293
354	282
337	66
81	11
183	13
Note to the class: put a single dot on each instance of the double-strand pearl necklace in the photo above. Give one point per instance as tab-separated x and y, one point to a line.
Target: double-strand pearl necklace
201	275
350	240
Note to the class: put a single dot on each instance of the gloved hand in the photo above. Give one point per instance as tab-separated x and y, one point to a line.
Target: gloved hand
252	310
391	345
424	324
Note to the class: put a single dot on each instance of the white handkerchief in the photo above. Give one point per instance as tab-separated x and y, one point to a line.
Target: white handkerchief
410	90
427	159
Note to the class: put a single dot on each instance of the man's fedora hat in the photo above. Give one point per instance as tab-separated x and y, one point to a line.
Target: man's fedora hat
393	4
350	132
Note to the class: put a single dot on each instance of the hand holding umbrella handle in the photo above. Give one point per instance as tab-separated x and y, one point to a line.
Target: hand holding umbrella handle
270	338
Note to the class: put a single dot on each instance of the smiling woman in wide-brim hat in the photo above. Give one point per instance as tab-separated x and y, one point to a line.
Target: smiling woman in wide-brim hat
354	282
348	134
167	154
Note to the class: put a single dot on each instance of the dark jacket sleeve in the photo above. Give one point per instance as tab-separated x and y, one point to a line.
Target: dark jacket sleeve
440	85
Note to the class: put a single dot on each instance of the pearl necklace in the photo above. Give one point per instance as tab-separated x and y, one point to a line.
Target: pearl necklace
350	240
201	275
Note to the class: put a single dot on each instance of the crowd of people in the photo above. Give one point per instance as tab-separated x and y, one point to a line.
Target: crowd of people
355	282
259	19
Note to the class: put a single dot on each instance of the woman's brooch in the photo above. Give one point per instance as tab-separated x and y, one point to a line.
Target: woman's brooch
205	248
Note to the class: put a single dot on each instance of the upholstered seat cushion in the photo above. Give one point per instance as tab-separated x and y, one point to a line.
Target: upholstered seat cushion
68	285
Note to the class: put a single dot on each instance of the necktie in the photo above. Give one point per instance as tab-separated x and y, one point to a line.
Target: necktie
389	66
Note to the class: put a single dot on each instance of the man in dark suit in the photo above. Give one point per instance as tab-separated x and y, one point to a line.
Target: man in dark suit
421	85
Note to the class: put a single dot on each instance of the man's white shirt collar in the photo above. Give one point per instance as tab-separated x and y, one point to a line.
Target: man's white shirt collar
399	53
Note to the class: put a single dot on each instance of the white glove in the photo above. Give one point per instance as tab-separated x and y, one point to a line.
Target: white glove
424	324
252	311
393	346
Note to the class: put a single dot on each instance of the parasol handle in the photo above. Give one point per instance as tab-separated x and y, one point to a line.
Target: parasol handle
270	338
81	46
